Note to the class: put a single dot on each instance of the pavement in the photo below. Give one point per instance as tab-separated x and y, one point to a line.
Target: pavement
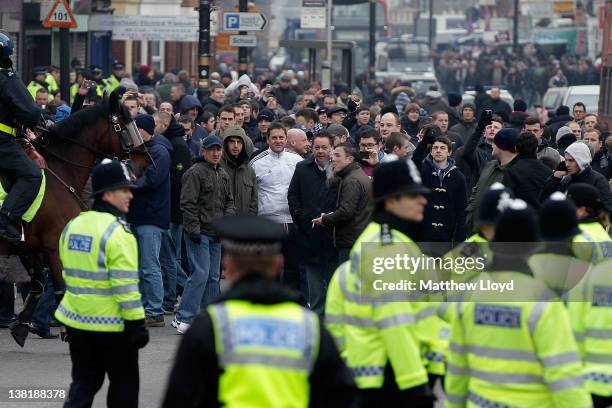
45	364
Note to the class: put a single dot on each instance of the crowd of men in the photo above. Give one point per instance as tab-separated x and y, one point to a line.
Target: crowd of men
336	171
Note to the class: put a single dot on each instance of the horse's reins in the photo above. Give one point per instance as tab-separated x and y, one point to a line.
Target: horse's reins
97	153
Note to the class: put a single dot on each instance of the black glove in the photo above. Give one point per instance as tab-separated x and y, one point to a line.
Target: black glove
137	333
561	167
485	119
195	237
352	106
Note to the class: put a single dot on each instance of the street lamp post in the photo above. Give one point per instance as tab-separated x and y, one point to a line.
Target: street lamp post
515	34
204	49
372	45
243	51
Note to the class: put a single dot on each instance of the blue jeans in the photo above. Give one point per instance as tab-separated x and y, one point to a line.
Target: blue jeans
176	230
169	265
202	286
149	239
44	308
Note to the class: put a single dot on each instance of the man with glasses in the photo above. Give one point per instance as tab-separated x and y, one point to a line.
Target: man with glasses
369	151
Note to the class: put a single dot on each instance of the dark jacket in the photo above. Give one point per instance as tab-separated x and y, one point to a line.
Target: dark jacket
285	97
476	153
557	123
601	163
242	179
16	103
410	127
500	107
151	203
353	210
309	196
194	380
211	105
205	197
491	173
180	158
444	217
589	176
250	128
526	178
463	130
517	119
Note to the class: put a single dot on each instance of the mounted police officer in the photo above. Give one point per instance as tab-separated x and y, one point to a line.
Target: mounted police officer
17	108
102	308
256	346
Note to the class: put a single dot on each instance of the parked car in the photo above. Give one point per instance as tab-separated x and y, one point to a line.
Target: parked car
568	96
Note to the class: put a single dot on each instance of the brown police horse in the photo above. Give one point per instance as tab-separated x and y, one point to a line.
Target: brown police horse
71	150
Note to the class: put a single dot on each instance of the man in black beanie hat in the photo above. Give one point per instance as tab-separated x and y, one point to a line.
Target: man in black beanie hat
504	153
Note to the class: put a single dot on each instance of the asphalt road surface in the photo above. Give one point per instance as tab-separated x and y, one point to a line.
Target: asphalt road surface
45	364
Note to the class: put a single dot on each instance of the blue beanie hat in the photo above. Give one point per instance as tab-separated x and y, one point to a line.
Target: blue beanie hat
146	123
506	139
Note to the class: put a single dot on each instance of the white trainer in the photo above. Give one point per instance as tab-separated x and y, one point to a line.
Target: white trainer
183	327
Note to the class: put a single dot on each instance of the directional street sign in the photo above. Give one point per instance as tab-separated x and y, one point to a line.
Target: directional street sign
243	21
60	16
243	41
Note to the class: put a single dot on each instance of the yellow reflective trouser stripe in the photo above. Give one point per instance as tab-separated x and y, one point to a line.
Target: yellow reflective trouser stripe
7	129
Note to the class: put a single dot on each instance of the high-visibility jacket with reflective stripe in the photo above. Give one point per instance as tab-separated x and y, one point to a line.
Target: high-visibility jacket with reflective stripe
601	239
384	329
590	309
100	267
266	353
522	354
33	87
334	307
111	83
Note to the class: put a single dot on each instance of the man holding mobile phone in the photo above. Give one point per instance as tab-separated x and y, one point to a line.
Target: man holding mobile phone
369	151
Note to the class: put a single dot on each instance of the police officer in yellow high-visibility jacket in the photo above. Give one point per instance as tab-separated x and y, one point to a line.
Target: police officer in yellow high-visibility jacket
256	346
514	349
52	80
112	82
589	210
102	308
590	308
40	73
387	340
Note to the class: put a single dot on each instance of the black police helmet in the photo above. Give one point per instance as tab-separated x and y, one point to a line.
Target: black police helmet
558	218
394	177
516	231
492	203
111	175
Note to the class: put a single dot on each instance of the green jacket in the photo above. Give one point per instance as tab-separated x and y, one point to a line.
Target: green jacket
242	180
493	172
206	195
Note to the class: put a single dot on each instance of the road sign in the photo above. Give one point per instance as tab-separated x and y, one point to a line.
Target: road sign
243	21
243	41
60	16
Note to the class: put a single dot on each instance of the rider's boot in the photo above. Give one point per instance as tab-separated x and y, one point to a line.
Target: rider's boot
8	231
